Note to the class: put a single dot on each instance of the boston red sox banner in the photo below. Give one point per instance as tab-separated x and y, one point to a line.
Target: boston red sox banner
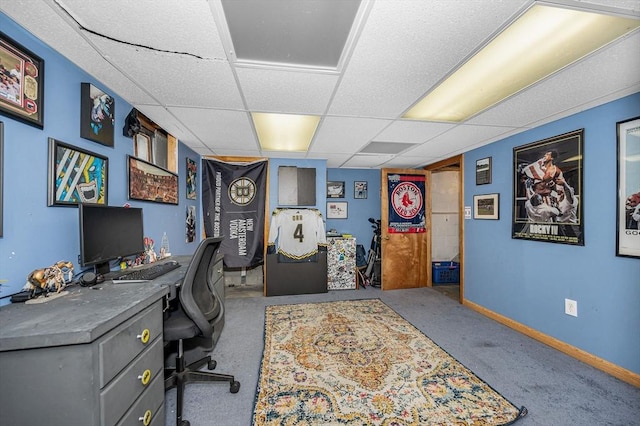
406	203
233	203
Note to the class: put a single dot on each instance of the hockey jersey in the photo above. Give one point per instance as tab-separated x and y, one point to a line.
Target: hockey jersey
296	233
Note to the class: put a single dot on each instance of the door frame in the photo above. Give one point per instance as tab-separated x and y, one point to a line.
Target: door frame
451	164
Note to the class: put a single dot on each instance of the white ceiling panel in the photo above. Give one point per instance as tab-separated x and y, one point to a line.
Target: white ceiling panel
173	60
271	90
342	135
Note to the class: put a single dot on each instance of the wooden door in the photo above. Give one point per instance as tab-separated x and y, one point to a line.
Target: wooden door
406	258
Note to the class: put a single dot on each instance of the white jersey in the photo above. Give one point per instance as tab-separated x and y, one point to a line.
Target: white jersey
298	232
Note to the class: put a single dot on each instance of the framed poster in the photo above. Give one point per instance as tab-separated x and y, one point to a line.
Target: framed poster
337	209
628	206
547	190
335	189
148	182
76	176
483	171
360	189
22	94
97	112
192	177
142	146
486	206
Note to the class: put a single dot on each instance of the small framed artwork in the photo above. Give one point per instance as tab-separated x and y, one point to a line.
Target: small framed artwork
192	177
97	112
335	189
336	209
486	206
483	171
628	206
76	176
22	88
142	146
148	182
359	189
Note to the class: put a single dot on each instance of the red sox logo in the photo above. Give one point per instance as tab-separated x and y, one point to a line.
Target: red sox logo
406	200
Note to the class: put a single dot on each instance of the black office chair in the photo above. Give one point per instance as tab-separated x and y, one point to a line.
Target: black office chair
190	324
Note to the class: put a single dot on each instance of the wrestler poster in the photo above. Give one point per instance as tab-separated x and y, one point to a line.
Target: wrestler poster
406	203
547	186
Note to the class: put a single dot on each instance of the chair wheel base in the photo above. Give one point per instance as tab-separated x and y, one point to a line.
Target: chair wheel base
184	423
211	365
235	387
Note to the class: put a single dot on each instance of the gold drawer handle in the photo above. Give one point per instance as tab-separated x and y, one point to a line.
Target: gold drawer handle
144	337
146	419
145	377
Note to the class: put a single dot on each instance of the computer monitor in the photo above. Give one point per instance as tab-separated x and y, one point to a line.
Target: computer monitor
108	233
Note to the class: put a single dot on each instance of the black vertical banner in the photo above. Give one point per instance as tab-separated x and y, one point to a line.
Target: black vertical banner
233	203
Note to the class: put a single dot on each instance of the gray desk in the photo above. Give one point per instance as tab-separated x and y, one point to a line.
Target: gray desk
92	357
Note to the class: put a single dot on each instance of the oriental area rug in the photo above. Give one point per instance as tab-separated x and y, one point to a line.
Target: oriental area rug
360	363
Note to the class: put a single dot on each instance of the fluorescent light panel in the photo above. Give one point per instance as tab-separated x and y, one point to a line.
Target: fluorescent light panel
542	41
285	132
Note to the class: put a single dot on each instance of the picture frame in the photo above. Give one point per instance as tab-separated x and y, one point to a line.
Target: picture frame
335	189
548	190
483	171
142	147
76	176
360	189
97	112
486	206
337	209
192	179
628	190
148	182
23	98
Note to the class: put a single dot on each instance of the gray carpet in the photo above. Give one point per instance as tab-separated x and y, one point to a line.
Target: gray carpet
555	388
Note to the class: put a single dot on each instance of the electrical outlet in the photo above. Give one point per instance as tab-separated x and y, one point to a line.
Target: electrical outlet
571	307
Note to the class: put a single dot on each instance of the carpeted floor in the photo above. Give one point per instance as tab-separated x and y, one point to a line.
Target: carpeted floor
555	388
359	363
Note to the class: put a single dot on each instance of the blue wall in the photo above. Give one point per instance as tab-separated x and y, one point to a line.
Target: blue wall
528	281
37	236
358	210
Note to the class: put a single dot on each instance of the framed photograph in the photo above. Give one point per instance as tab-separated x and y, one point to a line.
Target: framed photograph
76	176
547	186
192	177
1	174
628	206
142	146
359	189
335	189
486	206
97	112
483	171
22	88
336	209
148	182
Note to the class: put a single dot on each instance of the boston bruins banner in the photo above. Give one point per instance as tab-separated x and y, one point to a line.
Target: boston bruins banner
233	203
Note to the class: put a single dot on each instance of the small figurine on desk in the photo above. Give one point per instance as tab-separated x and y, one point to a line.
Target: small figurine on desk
55	277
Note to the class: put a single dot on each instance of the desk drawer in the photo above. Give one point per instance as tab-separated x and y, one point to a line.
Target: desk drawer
126	341
117	397
149	408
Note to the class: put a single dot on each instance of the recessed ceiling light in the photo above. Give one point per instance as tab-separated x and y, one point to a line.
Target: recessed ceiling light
543	40
285	132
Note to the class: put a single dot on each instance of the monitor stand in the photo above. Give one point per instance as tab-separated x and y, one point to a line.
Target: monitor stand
102	268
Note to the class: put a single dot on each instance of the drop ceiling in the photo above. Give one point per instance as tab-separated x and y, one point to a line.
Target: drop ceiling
200	75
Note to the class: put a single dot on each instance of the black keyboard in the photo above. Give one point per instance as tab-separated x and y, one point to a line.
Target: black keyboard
150	273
